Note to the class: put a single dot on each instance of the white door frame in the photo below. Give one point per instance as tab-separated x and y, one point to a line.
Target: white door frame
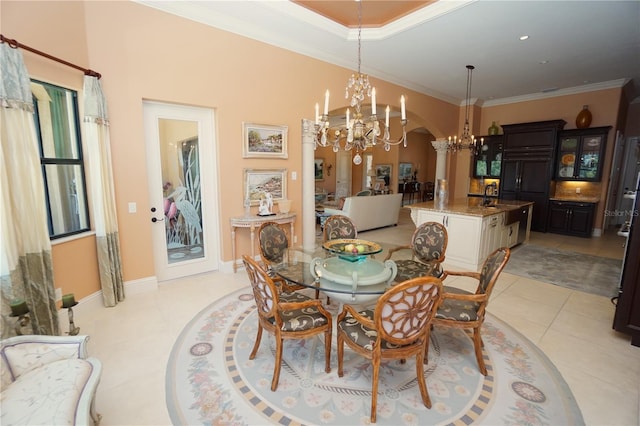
153	111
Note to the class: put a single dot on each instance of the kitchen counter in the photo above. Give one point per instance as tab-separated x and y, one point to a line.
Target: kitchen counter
576	199
475	231
472	206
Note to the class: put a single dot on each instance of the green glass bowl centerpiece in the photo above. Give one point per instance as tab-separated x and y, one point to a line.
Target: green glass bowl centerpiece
352	249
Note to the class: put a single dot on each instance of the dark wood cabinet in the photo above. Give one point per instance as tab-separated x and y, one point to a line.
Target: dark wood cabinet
571	218
580	154
487	162
523	179
627	316
527	165
531	138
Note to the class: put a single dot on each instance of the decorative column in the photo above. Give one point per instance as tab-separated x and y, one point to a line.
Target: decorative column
440	145
308	217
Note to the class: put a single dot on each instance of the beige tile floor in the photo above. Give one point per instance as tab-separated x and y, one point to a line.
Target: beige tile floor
134	339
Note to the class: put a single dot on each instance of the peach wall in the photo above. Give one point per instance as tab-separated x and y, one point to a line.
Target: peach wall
151	55
156	56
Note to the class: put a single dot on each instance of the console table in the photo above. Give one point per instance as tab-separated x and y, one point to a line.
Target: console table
253	222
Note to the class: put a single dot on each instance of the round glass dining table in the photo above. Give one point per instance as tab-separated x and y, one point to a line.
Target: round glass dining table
355	279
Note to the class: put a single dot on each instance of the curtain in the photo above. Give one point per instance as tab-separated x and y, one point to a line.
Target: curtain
98	155
26	270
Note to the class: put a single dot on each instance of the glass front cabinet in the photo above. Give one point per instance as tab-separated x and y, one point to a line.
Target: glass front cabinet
580	154
487	163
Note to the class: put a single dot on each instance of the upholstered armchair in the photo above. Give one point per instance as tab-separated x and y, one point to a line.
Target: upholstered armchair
292	319
398	328
339	226
428	246
462	309
48	380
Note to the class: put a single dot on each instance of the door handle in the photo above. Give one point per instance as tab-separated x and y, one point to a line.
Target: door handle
155	219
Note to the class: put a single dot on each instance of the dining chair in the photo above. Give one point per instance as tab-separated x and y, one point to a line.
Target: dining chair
428	192
466	310
298	319
274	246
399	327
428	246
338	226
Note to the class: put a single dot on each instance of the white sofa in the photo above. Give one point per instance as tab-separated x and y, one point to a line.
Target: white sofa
48	380
370	212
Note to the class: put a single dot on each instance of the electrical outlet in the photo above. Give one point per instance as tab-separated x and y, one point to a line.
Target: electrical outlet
58	294
578	190
295	239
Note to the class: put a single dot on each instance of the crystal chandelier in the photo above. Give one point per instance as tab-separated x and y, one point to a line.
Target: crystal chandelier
357	133
467	140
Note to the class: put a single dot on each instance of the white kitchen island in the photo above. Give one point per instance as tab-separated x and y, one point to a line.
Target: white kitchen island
474	231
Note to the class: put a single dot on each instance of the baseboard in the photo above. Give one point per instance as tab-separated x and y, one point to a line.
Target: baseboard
597	232
141	286
94	301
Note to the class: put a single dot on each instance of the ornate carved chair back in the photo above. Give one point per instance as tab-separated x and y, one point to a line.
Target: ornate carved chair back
429	242
339	226
273	243
403	313
491	269
265	291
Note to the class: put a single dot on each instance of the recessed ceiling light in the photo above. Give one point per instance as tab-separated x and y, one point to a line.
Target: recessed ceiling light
524	37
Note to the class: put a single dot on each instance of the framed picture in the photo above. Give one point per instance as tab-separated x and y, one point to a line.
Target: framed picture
383	170
406	169
257	182
264	141
379	186
318	168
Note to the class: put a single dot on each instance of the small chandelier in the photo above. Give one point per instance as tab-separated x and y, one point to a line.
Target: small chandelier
467	140
358	132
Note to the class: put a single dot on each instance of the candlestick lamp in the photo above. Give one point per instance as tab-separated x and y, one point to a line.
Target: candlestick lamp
20	310
68	302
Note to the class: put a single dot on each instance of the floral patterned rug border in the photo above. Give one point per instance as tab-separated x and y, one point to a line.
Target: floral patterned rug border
211	381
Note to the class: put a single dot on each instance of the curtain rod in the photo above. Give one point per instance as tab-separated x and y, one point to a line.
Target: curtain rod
14	44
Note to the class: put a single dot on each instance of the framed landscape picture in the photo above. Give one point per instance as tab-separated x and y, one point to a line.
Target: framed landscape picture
383	170
264	141
257	182
406	169
318	168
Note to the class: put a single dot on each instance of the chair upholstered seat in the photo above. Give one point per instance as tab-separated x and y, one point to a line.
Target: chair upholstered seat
362	335
408	269
428	246
458	310
301	319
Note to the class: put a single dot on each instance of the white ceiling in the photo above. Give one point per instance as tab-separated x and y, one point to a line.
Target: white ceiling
587	45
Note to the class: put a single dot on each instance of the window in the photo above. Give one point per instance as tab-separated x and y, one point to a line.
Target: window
58	132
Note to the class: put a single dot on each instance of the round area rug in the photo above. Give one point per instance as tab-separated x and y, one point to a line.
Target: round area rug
210	379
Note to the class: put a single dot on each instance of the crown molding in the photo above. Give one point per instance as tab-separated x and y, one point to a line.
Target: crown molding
613	84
